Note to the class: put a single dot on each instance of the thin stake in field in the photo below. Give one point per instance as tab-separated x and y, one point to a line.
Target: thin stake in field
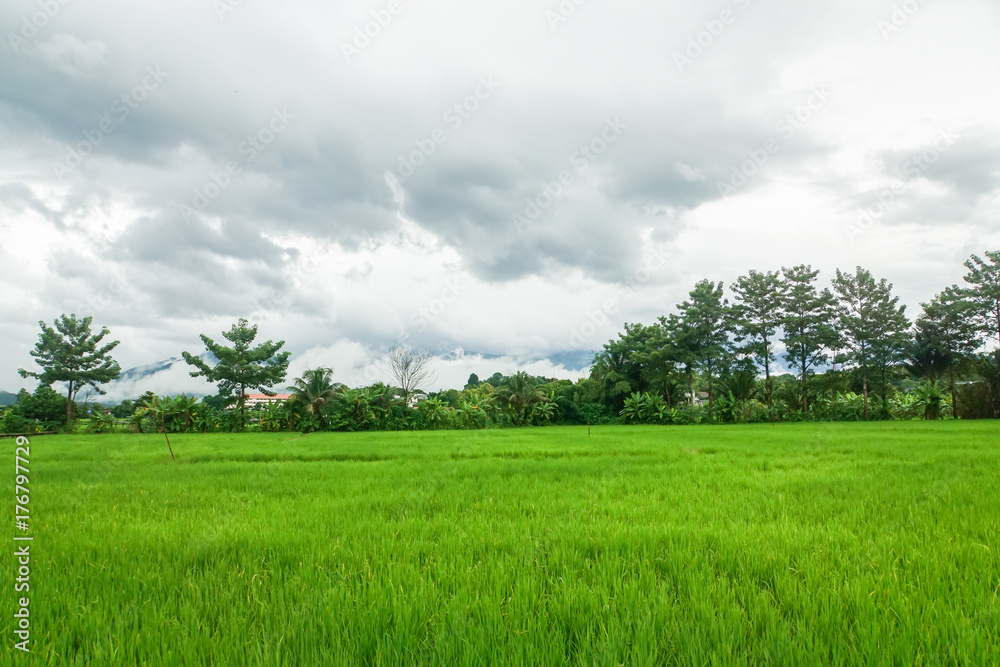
168	445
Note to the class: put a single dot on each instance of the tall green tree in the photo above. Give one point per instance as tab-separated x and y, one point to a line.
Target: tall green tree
520	392
807	323
314	390
241	367
873	327
70	352
703	331
757	314
943	336
983	294
658	357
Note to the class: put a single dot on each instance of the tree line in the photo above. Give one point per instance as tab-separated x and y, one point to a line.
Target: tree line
853	352
852	337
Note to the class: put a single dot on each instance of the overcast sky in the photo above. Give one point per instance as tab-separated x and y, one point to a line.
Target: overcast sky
513	179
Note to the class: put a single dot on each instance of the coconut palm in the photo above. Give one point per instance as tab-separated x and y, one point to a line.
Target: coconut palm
520	393
314	390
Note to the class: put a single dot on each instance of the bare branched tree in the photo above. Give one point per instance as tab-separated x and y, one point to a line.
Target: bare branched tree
409	368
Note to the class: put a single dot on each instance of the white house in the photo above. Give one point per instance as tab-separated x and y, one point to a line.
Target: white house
255	400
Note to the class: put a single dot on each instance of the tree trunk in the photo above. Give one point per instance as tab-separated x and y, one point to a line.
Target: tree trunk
69	403
242	408
767	373
954	397
805	390
711	416
711	395
864	391
884	388
691	387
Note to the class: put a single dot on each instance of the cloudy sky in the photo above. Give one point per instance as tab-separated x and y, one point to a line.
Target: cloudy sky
503	184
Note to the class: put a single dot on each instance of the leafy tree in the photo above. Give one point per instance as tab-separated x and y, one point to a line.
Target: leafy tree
520	393
45	405
242	367
983	303
931	399
983	297
943	336
473	381
70	352
352	410
807	315
409	368
102	421
616	373
636	359
313	391
659	358
757	314
703	331
873	327
178	412
124	409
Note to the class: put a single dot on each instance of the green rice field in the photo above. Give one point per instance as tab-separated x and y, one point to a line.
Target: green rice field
795	544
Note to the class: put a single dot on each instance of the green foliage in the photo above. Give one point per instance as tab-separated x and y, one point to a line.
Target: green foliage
702	333
12	422
982	297
520	394
808	331
70	352
311	393
102	421
241	367
873	328
756	317
45	405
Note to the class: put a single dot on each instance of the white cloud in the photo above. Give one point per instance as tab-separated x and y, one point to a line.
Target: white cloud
311	239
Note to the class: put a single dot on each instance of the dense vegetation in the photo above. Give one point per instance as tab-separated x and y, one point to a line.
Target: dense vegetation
799	544
852	351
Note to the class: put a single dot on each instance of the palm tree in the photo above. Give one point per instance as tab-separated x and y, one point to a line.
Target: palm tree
520	393
314	390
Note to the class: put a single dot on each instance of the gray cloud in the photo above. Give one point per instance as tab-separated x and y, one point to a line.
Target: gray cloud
191	209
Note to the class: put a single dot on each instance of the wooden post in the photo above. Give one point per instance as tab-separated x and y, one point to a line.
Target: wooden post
168	445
